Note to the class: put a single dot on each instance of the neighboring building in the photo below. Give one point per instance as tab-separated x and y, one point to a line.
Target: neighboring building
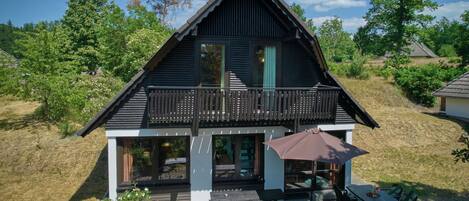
237	74
418	50
7	60
455	97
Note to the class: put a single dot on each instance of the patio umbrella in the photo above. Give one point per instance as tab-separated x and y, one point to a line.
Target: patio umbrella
314	145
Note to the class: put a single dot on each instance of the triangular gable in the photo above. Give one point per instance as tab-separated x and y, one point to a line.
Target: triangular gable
191	25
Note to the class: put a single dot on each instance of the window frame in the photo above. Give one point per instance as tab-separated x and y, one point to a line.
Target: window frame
197	56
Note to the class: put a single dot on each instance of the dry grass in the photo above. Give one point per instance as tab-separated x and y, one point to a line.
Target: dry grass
413	61
37	164
412	147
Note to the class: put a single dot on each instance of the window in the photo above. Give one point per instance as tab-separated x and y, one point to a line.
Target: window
298	173
212	65
237	157
154	160
264	69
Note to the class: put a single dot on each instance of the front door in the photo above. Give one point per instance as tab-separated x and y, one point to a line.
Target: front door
265	66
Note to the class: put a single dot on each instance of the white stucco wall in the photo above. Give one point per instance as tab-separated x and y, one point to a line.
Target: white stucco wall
458	107
201	154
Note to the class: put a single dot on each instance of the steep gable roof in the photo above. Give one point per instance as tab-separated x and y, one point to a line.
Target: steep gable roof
190	26
458	88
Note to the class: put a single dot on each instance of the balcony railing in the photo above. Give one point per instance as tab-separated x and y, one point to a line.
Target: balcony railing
193	105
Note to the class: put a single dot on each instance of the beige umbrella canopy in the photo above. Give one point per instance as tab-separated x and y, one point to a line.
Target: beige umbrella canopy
315	145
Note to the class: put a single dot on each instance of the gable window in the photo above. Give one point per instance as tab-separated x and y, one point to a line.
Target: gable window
212	64
265	66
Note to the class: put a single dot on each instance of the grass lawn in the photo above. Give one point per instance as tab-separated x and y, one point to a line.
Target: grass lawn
412	147
37	164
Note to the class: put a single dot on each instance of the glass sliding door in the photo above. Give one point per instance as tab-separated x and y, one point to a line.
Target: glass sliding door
237	157
158	160
212	65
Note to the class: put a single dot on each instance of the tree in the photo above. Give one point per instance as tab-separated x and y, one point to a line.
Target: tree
7	37
162	8
141	45
82	21
393	23
335	42
47	75
462	46
301	13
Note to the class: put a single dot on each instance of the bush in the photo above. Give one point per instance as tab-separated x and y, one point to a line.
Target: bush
357	69
135	194
419	82
9	81
447	50
396	61
66	129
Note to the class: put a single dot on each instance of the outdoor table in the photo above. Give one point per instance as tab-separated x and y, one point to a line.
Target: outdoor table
360	192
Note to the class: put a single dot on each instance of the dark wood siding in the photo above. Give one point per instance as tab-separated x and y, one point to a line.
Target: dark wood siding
242	18
239	24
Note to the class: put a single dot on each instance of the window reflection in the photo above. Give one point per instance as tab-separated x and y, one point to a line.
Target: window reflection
237	157
154	160
212	64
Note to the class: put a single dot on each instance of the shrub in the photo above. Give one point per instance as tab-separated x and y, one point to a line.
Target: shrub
419	82
396	61
9	81
66	129
356	68
447	50
135	194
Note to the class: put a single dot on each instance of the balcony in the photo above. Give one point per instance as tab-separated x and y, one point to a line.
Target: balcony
210	107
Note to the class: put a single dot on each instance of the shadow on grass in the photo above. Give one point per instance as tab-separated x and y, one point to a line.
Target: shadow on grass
95	186
427	192
18	122
463	123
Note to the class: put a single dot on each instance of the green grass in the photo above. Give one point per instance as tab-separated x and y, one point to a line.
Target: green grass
412	147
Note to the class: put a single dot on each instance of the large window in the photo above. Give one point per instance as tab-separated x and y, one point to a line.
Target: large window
212	65
237	157
299	175
154	160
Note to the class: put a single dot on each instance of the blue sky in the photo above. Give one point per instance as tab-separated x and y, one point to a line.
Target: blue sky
350	11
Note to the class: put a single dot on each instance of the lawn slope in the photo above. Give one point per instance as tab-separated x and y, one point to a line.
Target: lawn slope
37	164
413	145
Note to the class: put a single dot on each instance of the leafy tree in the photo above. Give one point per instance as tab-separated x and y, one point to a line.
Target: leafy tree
462	46
335	42
47	74
82	21
393	23
141	45
7	37
440	35
301	13
369	42
447	50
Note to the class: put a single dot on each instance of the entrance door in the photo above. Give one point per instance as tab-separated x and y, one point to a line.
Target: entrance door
265	66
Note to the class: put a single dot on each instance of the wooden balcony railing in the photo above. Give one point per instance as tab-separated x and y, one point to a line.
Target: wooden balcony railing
186	105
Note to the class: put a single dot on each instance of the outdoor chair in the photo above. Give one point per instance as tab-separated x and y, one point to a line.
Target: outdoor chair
395	191
341	195
411	196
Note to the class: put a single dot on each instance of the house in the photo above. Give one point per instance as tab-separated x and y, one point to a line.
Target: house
237	74
455	97
418	50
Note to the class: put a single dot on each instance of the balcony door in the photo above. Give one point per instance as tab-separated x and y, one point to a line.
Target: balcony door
265	66
212	64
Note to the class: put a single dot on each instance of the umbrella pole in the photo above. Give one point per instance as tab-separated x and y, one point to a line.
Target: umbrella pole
313	180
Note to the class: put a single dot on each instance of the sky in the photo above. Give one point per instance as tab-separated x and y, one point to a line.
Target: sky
350	11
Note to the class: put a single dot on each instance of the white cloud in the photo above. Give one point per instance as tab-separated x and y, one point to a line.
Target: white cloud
452	11
349	24
326	5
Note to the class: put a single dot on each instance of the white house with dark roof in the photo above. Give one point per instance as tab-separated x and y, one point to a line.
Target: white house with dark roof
455	97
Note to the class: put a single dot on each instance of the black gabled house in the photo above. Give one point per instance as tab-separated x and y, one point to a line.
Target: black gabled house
239	72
